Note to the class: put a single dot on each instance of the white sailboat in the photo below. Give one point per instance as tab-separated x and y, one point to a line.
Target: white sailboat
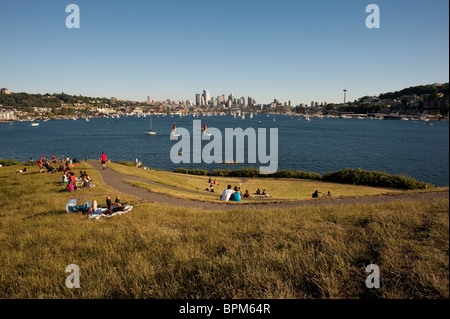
151	132
174	132
205	135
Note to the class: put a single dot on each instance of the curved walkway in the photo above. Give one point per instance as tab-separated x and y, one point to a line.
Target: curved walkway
117	181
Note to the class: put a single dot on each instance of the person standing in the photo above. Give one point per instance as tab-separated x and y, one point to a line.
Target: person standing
103	159
40	164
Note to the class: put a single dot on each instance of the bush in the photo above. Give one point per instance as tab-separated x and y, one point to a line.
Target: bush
373	178
296	174
345	176
195	171
10	162
127	163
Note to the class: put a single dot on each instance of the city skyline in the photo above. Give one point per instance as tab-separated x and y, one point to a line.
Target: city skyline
289	50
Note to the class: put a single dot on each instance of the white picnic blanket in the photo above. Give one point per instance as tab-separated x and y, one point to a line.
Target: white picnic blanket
99	212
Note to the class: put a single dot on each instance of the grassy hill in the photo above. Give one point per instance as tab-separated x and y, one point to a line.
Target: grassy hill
159	251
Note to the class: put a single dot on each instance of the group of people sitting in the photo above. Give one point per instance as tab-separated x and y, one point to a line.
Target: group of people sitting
316	194
210	181
235	195
43	163
74	183
231	195
112	208
263	193
64	165
53	160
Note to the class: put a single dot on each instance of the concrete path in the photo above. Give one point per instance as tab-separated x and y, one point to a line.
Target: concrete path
117	181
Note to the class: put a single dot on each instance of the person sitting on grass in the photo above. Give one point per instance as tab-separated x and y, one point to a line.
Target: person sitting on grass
315	194
70	187
86	181
49	168
258	192
113	207
227	194
264	193
65	178
236	196
211	188
20	171
247	194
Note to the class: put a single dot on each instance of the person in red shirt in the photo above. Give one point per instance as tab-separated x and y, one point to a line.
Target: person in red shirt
40	165
103	159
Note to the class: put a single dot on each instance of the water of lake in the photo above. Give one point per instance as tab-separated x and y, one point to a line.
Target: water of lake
321	145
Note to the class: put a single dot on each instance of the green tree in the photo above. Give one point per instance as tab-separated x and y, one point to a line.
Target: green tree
444	109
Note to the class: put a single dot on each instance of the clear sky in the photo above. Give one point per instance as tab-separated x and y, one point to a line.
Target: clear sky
172	49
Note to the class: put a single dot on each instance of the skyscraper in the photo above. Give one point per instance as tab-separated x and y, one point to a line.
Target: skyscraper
198	100
207	96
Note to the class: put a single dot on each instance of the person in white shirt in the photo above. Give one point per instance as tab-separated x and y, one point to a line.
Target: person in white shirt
227	194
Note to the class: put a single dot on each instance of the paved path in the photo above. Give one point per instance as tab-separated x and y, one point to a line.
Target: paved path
117	181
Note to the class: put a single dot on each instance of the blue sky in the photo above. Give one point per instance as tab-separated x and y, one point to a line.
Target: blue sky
288	50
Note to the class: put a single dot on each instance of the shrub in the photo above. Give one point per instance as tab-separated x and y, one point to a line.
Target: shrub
195	171
127	163
10	162
296	174
373	178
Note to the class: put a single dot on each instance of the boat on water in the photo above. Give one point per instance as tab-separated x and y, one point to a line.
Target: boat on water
151	132
229	162
34	124
174	132
259	122
205	135
307	118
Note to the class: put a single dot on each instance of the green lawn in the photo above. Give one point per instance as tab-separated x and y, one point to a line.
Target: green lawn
158	251
278	189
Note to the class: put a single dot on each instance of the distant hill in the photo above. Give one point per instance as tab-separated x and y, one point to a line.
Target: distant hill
417	90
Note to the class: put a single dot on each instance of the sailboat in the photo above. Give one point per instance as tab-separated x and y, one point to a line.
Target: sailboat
205	136
308	119
174	132
151	132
